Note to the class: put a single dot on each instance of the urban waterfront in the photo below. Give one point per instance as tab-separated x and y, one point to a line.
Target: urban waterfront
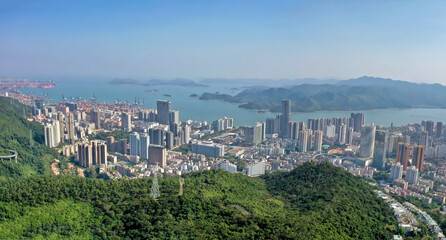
192	108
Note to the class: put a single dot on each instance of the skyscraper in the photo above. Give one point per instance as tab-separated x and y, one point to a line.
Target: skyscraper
402	154
61	126
253	134
135	146
342	134
349	136
424	139
126	122
272	126
92	153
286	118
70	128
439	129
96	119
174	116
144	142
367	141
358	121
318	135
303	140
381	147
163	109
430	127
169	140
418	157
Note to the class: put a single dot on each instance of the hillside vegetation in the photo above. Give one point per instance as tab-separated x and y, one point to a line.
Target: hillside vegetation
355	94
33	155
311	202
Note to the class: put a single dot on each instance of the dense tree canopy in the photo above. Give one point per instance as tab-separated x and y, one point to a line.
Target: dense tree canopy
311	202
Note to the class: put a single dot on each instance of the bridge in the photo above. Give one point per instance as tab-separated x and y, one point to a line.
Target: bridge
10	157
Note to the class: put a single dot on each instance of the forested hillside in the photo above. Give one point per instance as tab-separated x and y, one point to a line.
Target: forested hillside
355	94
33	155
311	202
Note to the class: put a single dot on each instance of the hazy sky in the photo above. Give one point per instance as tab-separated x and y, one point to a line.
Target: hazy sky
230	39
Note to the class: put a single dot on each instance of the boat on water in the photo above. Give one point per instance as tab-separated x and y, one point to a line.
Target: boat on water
46	86
151	90
167	95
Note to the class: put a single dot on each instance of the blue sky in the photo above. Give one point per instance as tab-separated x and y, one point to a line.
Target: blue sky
400	39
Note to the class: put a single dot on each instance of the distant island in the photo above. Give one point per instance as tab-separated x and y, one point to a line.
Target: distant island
157	82
362	93
194	95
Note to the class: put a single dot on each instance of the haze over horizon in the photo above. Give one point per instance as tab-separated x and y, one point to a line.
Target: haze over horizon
230	39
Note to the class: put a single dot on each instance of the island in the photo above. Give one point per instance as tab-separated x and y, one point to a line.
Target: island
363	93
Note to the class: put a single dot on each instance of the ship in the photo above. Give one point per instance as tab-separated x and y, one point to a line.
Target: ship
46	86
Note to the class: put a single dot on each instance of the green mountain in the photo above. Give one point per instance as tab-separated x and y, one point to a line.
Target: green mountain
33	155
355	94
314	201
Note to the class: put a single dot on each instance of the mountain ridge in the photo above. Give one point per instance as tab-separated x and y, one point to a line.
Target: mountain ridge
362	93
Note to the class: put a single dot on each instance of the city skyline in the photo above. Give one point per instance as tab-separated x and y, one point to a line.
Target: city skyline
231	39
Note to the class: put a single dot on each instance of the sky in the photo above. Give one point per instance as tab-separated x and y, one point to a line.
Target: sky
399	39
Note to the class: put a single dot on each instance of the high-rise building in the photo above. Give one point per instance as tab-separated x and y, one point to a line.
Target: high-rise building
303	140
253	134
51	133
186	130
342	134
396	171
61	126
430	127
96	119
70	128
286	118
418	157
330	131
402	155
135	145
157	155
381	147
424	139
367	141
440	150
318	136
110	143
358	121
349	136
92	153
174	116
439	129
295	128
157	136
85	155
169	140
144	141
272	126
126	120
412	175
163	109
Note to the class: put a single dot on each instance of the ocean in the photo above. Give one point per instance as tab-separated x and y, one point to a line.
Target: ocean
192	108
